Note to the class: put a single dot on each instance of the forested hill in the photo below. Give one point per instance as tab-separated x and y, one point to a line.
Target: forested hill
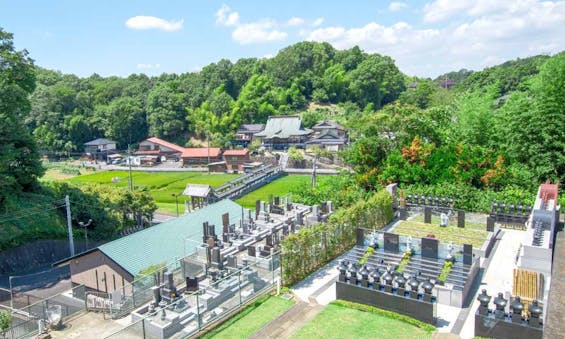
493	136
67	111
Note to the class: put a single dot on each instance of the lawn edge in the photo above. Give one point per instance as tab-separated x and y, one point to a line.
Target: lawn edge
389	314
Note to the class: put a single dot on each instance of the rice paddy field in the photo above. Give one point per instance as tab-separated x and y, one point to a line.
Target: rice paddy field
161	185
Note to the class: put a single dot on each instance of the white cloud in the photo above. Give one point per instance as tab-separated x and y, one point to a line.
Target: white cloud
151	22
226	17
263	30
481	36
256	32
397	6
148	66
318	22
295	21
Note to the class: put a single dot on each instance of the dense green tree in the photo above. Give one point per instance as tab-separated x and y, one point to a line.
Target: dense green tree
125	121
376	80
166	111
19	158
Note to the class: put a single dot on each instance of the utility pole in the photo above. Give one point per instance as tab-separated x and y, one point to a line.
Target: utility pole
70	226
208	147
129	162
314	171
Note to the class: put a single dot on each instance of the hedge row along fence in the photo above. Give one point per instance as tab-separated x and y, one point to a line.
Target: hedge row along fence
310	248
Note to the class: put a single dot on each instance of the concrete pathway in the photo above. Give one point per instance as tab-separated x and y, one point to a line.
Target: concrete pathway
498	276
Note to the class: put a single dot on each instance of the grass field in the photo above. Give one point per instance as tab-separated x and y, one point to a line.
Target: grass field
453	222
337	321
251	318
279	187
468	235
161	185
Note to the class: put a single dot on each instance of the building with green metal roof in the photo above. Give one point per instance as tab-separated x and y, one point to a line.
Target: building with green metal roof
283	131
114	264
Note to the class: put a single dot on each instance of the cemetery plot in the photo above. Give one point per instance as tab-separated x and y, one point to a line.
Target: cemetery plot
457	235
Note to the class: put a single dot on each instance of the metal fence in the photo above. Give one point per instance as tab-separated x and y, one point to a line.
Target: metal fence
25	321
198	310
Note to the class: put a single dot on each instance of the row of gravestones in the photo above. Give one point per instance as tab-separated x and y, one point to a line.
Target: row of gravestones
429	246
428	216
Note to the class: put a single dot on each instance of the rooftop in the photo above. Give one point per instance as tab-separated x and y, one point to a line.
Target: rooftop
236	152
167	144
201	152
283	126
171	239
99	141
250	128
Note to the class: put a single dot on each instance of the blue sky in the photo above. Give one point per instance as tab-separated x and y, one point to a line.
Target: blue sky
426	38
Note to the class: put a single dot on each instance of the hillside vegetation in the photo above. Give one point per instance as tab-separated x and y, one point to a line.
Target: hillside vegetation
496	134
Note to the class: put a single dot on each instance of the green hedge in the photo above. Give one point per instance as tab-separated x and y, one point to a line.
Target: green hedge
366	308
312	247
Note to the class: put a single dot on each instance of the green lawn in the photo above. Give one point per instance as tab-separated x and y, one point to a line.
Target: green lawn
251	319
161	185
279	187
453	222
467	235
337	321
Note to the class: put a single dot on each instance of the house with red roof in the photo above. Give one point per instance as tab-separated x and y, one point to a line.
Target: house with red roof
201	156
236	158
157	148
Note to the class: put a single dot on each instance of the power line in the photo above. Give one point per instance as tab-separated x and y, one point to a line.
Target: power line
29	214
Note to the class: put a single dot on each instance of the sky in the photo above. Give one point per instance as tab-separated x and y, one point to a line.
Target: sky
425	38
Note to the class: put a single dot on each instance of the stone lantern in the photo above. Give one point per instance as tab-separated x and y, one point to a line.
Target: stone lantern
413	283
376	276
427	286
364	276
535	314
517	307
387	279
484	299
342	271
500	304
401	285
353	274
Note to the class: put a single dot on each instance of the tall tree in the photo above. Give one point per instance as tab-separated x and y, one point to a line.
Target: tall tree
19	159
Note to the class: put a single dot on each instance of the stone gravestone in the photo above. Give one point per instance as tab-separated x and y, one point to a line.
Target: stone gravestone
467	254
225	219
257	208
460	218
360	237
490	224
232	261
191	284
251	250
427	215
391	242
430	248
403	213
269	240
216	257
